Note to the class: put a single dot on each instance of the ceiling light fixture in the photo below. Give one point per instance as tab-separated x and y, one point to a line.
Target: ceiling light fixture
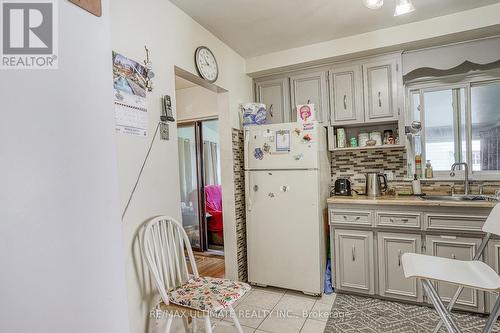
404	7
373	4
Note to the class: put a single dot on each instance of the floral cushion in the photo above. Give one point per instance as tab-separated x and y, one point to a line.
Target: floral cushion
208	294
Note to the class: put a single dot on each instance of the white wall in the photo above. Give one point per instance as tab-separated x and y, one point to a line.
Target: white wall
172	38
196	103
482	17
61	246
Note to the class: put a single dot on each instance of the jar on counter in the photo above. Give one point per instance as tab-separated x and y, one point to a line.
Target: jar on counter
377	137
341	138
387	134
354	142
363	139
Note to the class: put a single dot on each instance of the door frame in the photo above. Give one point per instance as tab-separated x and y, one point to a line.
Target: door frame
200	178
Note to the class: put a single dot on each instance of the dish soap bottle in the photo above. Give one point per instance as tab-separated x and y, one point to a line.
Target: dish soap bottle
429	173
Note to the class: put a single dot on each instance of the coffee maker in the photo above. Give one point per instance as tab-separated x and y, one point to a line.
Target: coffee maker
342	187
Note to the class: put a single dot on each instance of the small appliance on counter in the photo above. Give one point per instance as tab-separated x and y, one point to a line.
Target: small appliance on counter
374	184
342	187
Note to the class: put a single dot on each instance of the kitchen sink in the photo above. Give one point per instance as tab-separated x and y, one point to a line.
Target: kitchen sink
458	198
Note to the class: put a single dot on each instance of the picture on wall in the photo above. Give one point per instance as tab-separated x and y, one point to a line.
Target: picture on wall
129	84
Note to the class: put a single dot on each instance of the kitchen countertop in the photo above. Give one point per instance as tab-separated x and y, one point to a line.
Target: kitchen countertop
406	201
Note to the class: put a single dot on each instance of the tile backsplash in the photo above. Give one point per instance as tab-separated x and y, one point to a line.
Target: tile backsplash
239	202
354	165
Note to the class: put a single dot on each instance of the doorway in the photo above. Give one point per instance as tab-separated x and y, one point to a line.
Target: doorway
199	167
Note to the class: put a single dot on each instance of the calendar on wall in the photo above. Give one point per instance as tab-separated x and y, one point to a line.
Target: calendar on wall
131	113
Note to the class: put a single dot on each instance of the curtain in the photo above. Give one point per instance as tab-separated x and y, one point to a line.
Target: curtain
187	168
211	159
490	149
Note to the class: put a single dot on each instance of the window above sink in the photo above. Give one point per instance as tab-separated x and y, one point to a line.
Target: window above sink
460	123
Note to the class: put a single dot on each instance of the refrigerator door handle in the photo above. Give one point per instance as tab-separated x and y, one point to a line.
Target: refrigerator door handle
247	144
249	192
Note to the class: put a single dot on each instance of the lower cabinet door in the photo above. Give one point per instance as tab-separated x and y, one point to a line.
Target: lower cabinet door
493	262
392	282
460	248
354	261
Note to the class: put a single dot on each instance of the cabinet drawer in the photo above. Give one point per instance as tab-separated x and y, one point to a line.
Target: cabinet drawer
454	221
338	216
395	219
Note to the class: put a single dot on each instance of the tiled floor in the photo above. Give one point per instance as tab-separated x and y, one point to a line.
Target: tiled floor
272	310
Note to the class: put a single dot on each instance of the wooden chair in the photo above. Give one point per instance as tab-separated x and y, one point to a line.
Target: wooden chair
164	243
473	274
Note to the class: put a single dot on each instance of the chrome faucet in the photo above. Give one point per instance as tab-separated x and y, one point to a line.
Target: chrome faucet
466	175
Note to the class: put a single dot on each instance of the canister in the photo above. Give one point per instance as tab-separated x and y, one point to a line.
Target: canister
341	139
363	138
376	136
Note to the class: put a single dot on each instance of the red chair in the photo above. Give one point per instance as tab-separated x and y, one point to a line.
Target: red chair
213	205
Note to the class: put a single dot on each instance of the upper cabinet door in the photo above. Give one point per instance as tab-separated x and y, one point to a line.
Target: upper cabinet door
275	94
381	90
310	88
346	95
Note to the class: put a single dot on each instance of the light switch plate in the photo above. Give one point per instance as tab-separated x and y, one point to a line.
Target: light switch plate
389	175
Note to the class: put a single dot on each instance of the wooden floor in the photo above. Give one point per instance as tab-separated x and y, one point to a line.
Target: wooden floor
210	265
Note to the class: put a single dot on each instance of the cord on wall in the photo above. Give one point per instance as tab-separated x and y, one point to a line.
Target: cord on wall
142	169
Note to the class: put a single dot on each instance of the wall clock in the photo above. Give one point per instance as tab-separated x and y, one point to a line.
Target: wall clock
206	64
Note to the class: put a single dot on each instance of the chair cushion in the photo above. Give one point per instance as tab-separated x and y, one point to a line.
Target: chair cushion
208	294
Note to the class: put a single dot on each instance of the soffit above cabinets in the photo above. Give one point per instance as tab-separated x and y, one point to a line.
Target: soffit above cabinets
257	27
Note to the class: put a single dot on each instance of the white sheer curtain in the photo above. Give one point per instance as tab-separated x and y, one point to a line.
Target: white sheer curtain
187	167
211	163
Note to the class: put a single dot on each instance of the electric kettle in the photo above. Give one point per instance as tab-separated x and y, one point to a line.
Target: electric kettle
374	187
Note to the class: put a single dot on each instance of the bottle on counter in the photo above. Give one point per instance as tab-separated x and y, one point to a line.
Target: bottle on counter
418	166
416	186
429	172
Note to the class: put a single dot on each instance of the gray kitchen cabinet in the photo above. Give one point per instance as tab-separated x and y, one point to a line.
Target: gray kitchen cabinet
392	282
354	261
460	248
381	90
310	88
346	95
381	231
275	94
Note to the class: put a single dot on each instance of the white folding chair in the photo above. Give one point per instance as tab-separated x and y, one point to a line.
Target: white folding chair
164	243
473	274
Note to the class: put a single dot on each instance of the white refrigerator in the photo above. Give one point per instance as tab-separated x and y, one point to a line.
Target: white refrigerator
287	177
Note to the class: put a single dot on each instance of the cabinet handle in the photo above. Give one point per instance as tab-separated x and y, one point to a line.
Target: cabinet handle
353	253
379	100
357	218
404	220
399	257
345	102
345	217
271	110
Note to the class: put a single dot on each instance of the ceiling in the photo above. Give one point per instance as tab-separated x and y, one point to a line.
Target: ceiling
257	27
